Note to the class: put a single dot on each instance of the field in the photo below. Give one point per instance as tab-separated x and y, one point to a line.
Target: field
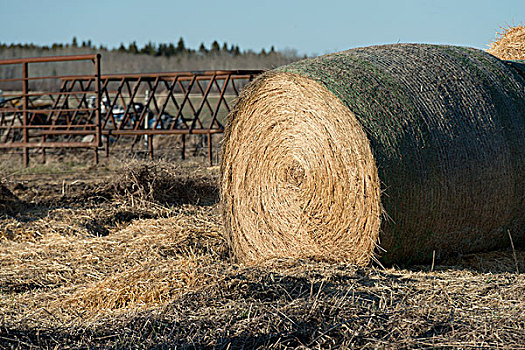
131	254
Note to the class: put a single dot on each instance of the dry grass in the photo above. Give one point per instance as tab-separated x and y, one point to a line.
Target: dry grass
7	199
509	43
146	263
142	183
84	268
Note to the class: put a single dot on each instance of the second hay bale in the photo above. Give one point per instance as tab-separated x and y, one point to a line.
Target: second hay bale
510	43
412	148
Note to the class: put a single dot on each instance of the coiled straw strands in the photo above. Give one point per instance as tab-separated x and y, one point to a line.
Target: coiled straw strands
509	44
416	149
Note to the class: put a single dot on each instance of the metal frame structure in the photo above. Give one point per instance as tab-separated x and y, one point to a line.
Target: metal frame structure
90	110
21	123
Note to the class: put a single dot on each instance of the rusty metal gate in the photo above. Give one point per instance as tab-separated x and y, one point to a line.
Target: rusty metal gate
34	119
95	110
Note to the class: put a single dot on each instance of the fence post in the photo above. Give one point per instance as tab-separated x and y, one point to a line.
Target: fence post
210	148
43	149
183	150
25	91
148	138
106	146
98	129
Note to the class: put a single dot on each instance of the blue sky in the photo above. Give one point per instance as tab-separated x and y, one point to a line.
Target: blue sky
310	27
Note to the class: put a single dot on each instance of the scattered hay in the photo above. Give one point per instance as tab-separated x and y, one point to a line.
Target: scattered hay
305	304
509	43
418	149
143	183
164	259
147	263
82	239
8	200
96	202
490	262
5	193
146	285
167	282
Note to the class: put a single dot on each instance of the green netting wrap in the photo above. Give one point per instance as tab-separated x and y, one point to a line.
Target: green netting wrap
446	130
519	65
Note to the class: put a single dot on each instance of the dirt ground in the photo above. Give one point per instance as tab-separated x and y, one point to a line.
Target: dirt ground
131	255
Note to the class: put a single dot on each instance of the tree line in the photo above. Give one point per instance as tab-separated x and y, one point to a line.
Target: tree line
150	48
132	58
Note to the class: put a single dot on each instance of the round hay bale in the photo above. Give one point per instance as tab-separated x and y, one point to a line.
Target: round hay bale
400	151
509	43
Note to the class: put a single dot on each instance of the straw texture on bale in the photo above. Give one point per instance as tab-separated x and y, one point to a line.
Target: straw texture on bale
509	44
400	151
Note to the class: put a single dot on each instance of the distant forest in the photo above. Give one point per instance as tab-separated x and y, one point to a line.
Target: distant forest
150	48
131	58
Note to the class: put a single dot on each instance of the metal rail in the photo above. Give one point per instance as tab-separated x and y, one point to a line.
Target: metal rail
26	115
94	109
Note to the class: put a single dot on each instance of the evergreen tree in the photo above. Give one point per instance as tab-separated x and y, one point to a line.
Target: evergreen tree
236	50
215	48
171	50
162	50
133	48
181	47
56	46
122	48
149	49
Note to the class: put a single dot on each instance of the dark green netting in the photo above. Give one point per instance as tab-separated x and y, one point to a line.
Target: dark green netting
519	65
447	128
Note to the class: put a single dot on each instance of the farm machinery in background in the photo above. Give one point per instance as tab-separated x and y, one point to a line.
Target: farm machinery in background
118	118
